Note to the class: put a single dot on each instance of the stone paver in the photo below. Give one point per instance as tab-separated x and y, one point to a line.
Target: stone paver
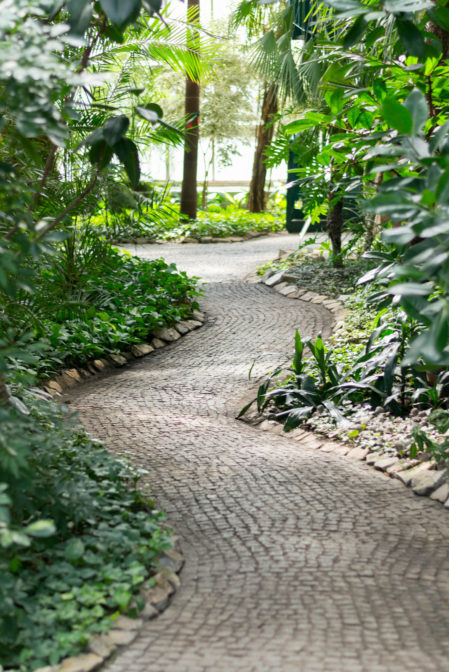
297	560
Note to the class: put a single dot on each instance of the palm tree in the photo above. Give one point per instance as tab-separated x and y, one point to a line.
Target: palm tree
274	62
189	198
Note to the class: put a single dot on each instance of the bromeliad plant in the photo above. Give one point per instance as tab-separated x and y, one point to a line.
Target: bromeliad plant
327	380
303	391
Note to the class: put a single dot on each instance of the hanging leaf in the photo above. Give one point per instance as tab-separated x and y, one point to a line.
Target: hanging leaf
355	33
92	139
128	155
418	108
150	112
374	35
121	12
115	128
411	37
80	14
397	116
100	154
152	6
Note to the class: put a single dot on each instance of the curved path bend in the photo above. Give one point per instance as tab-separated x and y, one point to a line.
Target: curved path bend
296	560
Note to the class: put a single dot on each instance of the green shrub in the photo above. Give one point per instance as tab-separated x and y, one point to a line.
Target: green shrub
91	300
165	224
77	540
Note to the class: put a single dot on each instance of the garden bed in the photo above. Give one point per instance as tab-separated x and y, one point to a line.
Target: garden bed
94	301
336	402
215	224
79	541
80	544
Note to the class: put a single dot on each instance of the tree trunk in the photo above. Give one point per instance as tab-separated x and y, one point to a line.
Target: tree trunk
334	225
264	135
4	396
442	35
189	198
204	191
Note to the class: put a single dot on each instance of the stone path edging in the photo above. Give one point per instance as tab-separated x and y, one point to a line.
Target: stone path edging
158	593
422	476
161	337
166	580
186	239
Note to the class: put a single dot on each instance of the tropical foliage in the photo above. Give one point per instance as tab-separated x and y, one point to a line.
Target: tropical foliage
375	126
77	540
148	225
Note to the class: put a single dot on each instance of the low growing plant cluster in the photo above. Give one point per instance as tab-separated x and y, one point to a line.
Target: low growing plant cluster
362	372
214	222
311	270
77	539
376	375
91	300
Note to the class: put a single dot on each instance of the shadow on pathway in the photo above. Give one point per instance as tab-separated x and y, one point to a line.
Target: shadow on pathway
296	560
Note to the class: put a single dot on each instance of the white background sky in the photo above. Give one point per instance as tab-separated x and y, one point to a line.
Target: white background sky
242	165
219	9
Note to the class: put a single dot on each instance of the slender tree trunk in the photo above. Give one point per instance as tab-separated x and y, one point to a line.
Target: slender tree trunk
264	135
189	198
374	224
204	191
334	225
4	397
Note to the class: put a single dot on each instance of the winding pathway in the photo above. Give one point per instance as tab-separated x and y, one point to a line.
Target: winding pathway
296	560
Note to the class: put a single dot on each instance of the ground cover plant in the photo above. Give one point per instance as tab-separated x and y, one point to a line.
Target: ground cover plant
165	224
309	268
91	300
77	539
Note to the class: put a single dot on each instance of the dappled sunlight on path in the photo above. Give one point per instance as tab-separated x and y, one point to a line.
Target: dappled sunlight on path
296	560
219	262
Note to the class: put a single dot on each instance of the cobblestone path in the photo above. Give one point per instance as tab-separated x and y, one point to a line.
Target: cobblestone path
296	560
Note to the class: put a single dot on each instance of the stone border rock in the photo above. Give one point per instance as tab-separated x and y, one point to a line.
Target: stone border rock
282	282
160	338
188	240
422	475
157	594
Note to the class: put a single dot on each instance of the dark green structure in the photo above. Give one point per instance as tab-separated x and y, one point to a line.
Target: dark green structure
301	19
301	31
